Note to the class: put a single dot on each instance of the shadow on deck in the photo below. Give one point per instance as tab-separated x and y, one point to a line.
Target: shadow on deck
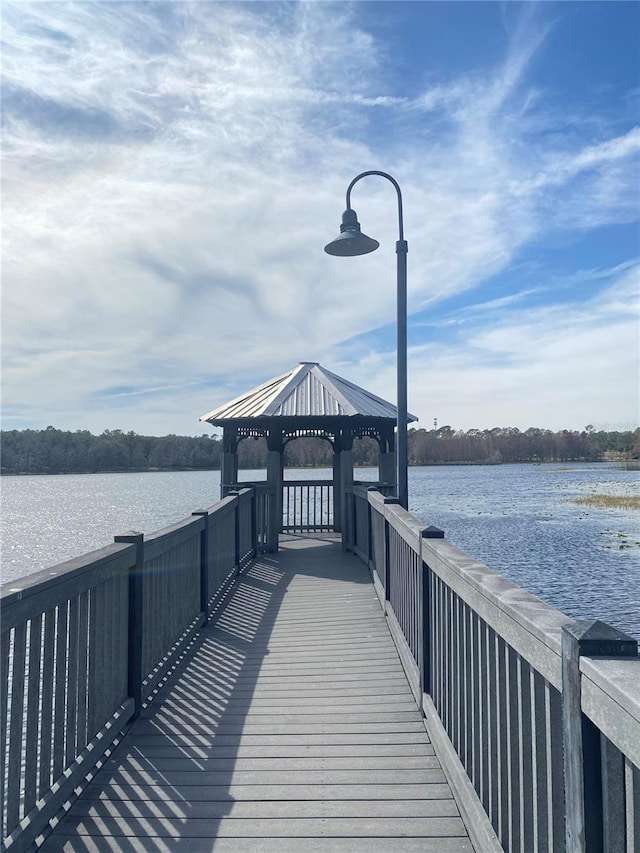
289	726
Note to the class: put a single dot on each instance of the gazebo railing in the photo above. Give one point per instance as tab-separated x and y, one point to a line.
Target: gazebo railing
307	506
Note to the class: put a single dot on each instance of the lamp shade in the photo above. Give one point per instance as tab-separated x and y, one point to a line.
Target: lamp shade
351	241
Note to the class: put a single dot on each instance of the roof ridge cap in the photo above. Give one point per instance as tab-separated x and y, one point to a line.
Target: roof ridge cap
327	379
283	391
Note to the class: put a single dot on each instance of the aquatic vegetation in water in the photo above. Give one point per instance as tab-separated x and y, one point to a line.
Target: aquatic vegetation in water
610	501
623	541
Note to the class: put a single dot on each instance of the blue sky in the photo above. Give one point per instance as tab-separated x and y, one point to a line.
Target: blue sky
172	171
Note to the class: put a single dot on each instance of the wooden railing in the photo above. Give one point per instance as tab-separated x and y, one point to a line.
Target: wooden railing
307	505
536	717
84	646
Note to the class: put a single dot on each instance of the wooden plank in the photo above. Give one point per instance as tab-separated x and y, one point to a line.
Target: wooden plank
72	682
318	675
277	777
46	716
290	719
381	675
67	844
33	713
322	656
632	804
308	751
317	704
540	766
60	690
274	809
319	667
303	635
304	690
214	706
242	739
247	828
16	743
111	790
528	827
83	735
233	764
53	586
319	644
353	630
5	644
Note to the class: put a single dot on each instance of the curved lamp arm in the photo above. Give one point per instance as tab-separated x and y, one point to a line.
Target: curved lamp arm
395	184
352	242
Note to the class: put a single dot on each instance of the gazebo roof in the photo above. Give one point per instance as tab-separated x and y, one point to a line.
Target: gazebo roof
308	390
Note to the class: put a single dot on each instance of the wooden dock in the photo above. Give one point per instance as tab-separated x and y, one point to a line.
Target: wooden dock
289	726
193	689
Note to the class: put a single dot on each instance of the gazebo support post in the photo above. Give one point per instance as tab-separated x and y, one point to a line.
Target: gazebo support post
229	460
337	485
346	487
387	467
275	450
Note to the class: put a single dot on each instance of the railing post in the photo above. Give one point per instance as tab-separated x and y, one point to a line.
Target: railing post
582	749
370	527
236	533
204	562
234	493
387	557
254	520
354	521
430	532
274	515
134	646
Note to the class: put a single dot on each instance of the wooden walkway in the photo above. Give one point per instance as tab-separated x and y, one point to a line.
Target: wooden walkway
290	727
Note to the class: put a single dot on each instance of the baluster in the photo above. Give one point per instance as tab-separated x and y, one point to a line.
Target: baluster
33	713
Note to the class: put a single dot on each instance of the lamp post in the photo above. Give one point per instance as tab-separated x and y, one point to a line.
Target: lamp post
350	242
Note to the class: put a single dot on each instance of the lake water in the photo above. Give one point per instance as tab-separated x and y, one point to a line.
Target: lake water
518	519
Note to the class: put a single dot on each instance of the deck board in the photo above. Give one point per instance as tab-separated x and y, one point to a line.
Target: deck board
290	726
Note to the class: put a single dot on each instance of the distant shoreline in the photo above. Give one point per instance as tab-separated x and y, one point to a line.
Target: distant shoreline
626	464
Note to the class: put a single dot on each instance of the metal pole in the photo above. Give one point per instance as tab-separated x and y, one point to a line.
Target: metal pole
401	450
402	461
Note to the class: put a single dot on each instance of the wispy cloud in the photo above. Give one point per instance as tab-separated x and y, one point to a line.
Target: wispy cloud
172	171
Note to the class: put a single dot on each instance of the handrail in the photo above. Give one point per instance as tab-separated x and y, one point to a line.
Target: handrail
84	646
307	505
309	482
523	709
63	666
489	664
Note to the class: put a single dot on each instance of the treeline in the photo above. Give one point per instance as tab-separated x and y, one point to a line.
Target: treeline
54	451
509	444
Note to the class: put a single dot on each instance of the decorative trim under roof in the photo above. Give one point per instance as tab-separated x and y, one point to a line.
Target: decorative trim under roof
308	390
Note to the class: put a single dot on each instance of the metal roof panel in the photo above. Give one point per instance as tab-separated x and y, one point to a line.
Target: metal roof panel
308	390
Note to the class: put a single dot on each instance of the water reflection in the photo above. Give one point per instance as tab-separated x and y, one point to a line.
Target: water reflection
521	521
518	519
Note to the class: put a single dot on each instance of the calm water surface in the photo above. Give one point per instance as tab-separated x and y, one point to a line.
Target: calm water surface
518	519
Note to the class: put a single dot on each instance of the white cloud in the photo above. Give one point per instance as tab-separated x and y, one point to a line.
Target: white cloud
172	172
559	366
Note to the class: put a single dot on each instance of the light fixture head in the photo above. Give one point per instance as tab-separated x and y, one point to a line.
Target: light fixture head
351	241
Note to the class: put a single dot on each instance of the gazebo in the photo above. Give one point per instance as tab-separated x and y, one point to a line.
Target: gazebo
308	401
